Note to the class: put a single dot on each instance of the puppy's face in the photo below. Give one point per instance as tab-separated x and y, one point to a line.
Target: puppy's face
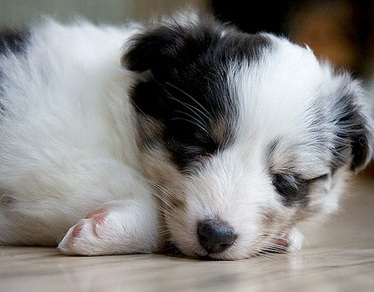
243	135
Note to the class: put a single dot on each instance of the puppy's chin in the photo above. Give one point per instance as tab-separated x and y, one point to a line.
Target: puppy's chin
243	247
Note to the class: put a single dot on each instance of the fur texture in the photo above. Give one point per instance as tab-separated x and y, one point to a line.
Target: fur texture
184	131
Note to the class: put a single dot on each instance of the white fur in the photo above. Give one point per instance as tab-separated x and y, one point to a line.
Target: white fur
64	141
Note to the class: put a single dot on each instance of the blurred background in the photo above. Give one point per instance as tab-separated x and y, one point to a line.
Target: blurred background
341	31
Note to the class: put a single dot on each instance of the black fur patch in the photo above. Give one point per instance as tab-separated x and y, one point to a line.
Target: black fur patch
187	89
351	132
13	41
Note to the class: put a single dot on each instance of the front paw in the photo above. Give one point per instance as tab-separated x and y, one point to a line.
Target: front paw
292	241
118	228
88	236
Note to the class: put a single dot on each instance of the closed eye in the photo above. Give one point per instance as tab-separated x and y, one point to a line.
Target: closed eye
318	178
292	188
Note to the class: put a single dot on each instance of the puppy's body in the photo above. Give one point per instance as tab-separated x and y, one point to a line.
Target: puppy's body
187	132
67	132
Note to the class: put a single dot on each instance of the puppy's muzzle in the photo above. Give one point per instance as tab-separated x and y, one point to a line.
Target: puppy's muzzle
215	235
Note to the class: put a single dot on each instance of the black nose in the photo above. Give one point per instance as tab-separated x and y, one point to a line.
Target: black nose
215	236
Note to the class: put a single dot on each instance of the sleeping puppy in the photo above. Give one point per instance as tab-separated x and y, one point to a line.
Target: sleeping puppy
184	132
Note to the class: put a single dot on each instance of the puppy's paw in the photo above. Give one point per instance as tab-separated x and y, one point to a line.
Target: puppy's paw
117	228
292	241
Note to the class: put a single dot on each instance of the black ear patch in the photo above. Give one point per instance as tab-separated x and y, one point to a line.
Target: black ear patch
153	49
354	130
165	47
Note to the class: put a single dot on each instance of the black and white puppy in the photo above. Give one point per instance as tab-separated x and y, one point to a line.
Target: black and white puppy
184	131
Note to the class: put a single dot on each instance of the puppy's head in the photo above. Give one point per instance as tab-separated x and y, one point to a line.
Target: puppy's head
243	135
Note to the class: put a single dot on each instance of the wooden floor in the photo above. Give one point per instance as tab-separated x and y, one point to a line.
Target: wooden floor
338	257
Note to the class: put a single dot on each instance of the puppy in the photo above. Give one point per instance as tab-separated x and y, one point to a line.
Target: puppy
183	132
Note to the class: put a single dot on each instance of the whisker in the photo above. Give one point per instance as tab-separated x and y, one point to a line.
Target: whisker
196	123
199	114
207	113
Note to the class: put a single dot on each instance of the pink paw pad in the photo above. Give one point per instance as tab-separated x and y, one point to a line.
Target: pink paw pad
77	230
98	216
282	242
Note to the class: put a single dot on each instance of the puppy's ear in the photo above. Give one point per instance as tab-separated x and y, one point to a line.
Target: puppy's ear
153	49
164	47
354	126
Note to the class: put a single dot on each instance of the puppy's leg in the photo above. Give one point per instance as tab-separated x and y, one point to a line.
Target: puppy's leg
40	202
119	227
